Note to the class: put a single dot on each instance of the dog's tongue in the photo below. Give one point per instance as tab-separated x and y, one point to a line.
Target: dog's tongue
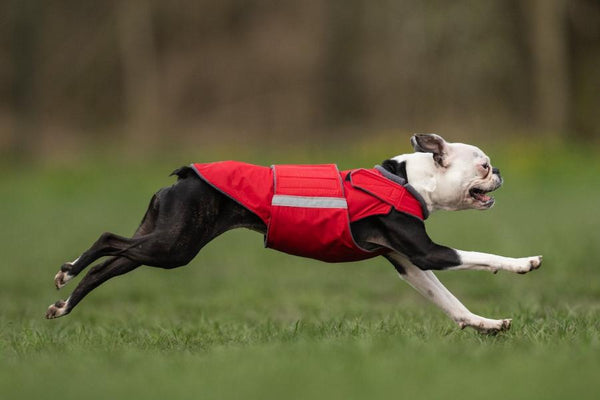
482	197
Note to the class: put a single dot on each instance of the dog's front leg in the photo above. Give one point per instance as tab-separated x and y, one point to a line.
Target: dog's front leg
408	236
490	262
426	283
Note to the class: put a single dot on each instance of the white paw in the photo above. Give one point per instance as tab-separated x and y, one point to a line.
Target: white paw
486	326
61	278
57	309
527	264
63	275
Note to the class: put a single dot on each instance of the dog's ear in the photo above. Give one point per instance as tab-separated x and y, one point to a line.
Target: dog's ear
431	143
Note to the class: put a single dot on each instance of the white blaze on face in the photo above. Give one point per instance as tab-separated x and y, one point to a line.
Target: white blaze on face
448	187
469	170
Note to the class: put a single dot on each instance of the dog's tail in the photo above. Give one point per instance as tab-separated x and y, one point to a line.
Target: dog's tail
183	172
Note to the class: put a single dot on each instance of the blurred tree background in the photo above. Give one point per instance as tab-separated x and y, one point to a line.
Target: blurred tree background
74	74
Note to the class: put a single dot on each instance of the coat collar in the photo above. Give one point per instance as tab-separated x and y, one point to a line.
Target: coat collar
401	178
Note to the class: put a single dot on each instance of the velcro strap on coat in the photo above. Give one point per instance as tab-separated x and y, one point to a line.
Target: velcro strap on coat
396	195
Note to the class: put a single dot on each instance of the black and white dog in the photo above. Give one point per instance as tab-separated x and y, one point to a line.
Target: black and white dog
184	217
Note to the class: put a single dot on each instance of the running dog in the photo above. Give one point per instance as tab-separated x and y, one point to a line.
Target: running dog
319	212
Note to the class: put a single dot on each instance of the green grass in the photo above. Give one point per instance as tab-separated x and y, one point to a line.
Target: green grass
244	322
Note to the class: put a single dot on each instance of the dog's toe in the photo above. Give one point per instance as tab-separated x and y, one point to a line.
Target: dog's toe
57	309
535	263
61	278
486	326
527	264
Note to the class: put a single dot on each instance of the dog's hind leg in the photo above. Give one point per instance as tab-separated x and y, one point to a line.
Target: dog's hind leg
181	220
95	277
103	246
71	269
157	249
108	244
154	249
426	283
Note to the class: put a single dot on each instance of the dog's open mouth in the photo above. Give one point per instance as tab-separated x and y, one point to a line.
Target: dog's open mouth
481	196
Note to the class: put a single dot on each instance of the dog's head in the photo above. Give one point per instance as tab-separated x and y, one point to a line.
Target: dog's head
450	176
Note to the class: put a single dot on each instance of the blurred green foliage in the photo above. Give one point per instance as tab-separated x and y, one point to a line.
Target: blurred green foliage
76	74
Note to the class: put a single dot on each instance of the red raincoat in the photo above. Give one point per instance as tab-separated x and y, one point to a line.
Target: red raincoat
308	208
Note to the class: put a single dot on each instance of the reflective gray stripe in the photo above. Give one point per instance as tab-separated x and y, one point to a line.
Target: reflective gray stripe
309	202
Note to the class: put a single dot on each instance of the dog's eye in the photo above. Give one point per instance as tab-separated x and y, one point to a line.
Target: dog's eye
486	166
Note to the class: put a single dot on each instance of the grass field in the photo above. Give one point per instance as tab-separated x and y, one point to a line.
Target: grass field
244	322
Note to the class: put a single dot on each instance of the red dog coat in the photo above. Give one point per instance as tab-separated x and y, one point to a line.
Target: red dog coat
308	208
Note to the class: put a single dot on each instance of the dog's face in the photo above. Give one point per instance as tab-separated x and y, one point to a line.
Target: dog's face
451	176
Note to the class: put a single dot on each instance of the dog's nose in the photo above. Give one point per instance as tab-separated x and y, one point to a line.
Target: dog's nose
496	171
